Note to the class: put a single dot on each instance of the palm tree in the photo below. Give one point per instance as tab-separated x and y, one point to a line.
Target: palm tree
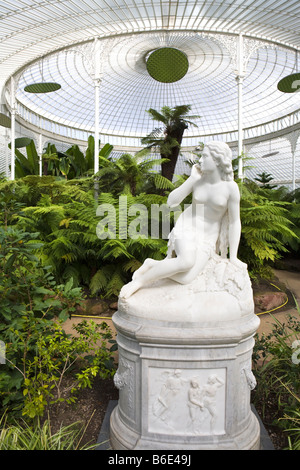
175	120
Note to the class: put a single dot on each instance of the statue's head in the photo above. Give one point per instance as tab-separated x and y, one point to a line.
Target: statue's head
222	155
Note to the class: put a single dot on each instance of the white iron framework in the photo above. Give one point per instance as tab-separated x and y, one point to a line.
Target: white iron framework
237	50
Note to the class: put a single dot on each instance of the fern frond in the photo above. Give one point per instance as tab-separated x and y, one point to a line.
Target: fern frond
115	284
99	281
114	249
162	183
132	265
71	272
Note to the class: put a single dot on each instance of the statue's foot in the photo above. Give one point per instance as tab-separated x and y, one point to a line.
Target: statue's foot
129	289
148	263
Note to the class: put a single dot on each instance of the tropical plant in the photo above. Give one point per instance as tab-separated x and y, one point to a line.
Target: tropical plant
265	228
28	165
80	358
72	163
29	298
291	421
63	213
83	164
245	164
120	255
293	199
168	139
131	174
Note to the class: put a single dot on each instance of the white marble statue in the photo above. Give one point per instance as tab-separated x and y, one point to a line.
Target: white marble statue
211	224
185	328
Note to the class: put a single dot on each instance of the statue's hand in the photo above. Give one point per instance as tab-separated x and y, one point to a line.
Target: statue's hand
238	263
196	171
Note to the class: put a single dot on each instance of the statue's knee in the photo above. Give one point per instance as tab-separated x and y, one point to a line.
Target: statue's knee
188	261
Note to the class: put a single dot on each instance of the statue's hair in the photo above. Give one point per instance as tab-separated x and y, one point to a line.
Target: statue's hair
222	156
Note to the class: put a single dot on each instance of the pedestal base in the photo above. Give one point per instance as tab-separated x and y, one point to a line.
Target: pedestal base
123	438
184	385
104	435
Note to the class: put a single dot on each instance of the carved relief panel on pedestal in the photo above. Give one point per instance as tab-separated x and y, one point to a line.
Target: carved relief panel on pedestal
187	401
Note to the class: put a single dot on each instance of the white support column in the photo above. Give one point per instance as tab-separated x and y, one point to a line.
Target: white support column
239	79
294	169
97	110
40	154
293	139
7	139
97	82
13	127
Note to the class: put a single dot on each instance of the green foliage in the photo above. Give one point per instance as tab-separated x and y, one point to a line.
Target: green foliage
293	200
264	179
38	352
131	175
22	436
122	255
168	140
27	165
63	213
27	287
29	298
83	164
80	357
266	227
291	421
71	164
276	367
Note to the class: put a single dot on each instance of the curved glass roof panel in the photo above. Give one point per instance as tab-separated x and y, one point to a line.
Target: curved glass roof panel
127	90
52	41
275	158
29	28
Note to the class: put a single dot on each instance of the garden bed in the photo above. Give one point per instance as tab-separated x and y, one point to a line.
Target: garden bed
89	409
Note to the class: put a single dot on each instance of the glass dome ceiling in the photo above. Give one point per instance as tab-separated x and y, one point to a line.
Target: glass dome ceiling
127	90
53	41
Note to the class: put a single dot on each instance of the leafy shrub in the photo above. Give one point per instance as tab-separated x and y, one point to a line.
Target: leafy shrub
79	358
277	374
29	301
22	436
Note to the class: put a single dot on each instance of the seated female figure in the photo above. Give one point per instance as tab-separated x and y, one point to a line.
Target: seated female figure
194	238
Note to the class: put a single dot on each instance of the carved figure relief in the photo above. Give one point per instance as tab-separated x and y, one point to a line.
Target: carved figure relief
185	401
164	406
124	380
203	398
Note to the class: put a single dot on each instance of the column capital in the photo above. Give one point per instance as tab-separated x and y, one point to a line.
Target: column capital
97	81
239	77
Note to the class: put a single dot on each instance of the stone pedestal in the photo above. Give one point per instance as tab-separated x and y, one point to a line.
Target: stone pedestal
184	376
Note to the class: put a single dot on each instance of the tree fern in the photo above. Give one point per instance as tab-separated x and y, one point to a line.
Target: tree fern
265	223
